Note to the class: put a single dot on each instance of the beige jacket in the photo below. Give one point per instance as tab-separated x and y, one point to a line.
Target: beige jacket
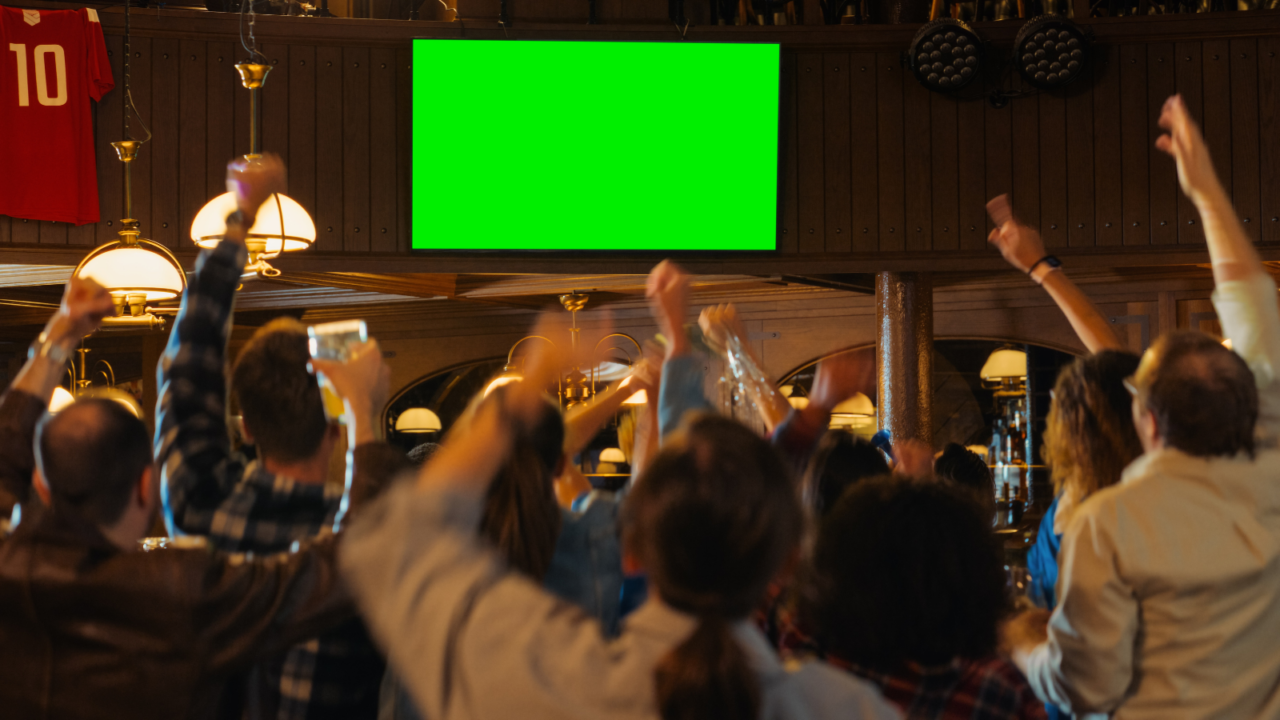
471	639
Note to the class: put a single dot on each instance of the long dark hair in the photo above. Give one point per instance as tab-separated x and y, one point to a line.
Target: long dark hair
520	515
712	519
1089	437
905	571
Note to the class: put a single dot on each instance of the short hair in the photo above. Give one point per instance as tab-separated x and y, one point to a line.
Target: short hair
279	398
422	452
840	461
92	455
966	468
904	571
1089	437
1204	397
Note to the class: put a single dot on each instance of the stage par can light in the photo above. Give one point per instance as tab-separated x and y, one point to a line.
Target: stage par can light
946	55
1051	51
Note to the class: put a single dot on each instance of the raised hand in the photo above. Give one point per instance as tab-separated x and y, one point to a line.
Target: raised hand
719	323
1184	142
85	304
1020	245
841	377
363	382
667	291
253	180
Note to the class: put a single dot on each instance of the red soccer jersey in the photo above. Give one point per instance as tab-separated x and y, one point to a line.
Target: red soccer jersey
51	63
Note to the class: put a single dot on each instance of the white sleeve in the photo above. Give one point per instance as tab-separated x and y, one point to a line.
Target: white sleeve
467	636
1087	664
1249	311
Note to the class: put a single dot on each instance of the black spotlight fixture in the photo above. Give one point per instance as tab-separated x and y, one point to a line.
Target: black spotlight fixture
946	55
1051	51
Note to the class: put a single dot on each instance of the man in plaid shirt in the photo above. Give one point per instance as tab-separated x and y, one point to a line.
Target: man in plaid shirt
267	505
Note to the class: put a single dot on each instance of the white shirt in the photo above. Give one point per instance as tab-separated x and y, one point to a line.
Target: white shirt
471	639
1170	581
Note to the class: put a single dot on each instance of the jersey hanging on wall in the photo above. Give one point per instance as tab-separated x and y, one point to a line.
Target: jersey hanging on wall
51	63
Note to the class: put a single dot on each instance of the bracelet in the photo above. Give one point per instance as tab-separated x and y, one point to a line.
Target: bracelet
1043	267
44	346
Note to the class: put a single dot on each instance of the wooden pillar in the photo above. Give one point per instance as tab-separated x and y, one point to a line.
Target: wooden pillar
904	355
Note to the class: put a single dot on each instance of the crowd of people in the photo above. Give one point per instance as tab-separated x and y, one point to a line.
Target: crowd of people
799	573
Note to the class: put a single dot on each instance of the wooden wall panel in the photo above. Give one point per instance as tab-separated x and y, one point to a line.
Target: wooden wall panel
355	149
837	166
1244	134
971	174
1108	185
917	163
1024	149
109	129
889	119
1163	172
166	67
1081	231
1053	170
329	150
1135	160
1189	80
383	148
944	140
810	151
193	155
864	159
1269	136
870	161
301	148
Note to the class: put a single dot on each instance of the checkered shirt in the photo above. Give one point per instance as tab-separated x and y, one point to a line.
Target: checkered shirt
240	506
990	688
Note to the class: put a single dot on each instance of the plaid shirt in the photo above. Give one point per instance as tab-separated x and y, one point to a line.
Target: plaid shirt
242	507
989	688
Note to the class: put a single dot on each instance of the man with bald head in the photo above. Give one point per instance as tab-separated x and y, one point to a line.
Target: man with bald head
93	627
1170	580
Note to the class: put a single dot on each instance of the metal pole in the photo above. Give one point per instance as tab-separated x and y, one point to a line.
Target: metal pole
904	349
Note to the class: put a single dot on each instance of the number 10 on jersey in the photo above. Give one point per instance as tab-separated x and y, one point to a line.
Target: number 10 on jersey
40	60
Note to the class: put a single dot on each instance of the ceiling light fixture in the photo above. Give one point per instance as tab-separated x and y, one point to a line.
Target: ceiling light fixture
946	55
282	225
1051	51
133	269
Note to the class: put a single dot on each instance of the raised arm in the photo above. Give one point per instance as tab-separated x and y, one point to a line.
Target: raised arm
583	422
722	327
683	377
84	304
1023	248
192	445
1245	296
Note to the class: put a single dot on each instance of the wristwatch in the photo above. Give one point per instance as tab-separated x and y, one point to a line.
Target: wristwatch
44	346
1043	267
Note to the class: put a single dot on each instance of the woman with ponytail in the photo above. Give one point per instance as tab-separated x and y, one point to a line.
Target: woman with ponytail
712	519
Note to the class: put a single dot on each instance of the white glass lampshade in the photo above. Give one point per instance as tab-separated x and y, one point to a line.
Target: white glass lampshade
612	455
418	420
1005	363
854	412
61	398
134	270
281	223
798	403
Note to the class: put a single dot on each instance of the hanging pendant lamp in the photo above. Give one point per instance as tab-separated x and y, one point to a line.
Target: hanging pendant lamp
134	270
282	225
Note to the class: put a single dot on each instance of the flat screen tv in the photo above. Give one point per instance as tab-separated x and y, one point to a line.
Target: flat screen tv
577	146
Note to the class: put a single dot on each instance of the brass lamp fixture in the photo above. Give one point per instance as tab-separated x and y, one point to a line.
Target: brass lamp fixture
282	225
574	386
134	270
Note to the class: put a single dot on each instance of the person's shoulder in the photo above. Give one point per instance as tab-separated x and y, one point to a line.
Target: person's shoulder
827	692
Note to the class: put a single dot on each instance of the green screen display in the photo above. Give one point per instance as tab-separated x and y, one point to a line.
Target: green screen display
524	145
